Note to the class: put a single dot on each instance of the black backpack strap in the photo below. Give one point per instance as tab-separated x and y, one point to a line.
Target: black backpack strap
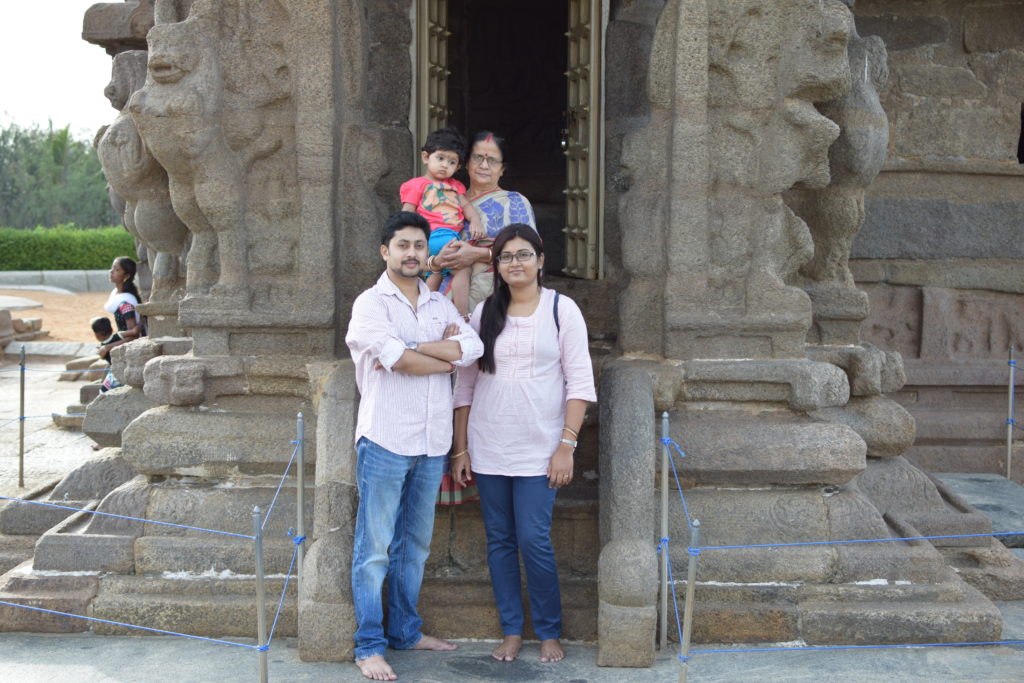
558	324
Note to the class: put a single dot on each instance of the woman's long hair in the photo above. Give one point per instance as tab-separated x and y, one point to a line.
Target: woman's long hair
492	319
129	267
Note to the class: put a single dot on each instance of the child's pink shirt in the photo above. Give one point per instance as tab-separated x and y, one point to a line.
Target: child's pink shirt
435	200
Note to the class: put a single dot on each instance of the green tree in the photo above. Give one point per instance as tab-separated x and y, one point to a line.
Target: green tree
49	178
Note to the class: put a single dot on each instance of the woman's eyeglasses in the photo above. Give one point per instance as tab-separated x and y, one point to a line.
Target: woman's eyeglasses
522	256
481	159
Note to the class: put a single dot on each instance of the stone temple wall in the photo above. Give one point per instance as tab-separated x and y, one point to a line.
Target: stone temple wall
941	253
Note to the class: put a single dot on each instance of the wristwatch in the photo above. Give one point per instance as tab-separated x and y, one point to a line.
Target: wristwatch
412	346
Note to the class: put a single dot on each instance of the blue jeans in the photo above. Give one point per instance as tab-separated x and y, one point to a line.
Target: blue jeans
517	518
394	524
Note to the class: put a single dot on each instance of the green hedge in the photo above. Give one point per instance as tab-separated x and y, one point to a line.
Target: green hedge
63	247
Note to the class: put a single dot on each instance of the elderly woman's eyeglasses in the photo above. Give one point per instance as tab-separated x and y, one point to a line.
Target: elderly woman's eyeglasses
482	159
523	256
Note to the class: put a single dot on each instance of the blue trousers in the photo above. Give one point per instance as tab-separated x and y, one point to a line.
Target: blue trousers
517	518
394	523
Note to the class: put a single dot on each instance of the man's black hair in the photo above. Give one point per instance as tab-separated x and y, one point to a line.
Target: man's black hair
447	140
403	219
101	325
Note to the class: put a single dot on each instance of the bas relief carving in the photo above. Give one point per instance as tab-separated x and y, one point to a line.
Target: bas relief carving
134	174
213	108
727	137
836	213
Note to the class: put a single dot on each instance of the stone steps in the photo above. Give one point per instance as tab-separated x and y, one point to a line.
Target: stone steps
212	605
61	592
15	549
1000	499
464	608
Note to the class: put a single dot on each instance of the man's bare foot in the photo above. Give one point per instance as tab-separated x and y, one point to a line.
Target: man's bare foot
509	649
376	668
436	644
551	650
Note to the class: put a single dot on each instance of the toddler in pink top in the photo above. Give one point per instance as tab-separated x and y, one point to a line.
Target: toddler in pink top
442	201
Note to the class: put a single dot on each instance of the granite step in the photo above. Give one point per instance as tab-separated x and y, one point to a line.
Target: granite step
68	592
1000	499
209	604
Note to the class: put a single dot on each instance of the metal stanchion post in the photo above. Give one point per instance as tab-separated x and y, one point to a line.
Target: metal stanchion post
261	598
691	581
21	423
300	486
664	534
1009	418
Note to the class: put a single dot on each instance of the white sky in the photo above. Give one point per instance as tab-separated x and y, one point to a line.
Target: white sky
47	71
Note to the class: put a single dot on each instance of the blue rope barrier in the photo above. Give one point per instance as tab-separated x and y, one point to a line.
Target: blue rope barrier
287	577
119	623
859	540
663	547
284	476
811	648
134	519
28	369
675	475
11	421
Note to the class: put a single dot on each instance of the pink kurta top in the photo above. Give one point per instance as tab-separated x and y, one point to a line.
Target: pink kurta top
518	412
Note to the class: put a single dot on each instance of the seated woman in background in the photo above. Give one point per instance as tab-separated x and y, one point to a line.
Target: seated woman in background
124	299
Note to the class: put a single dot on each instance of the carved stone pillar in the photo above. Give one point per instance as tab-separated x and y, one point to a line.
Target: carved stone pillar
711	309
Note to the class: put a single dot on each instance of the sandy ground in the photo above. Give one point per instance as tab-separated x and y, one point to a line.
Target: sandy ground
65	316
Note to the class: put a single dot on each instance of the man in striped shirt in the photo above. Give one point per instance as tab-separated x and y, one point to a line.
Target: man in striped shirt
405	342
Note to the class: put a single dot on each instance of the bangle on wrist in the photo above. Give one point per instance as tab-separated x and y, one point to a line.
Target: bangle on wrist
575	434
569	442
460	454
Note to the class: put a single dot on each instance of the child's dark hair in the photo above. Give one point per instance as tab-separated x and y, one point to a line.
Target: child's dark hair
495	313
447	140
129	267
403	219
101	325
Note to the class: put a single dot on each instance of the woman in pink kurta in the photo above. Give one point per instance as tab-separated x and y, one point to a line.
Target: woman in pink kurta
517	418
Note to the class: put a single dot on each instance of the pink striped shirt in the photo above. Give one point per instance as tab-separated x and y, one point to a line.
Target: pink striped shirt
406	414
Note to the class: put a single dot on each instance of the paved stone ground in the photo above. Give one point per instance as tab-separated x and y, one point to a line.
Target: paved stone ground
29	658
50	452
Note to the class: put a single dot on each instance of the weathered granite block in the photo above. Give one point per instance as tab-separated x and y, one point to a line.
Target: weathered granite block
111	412
731	446
886	427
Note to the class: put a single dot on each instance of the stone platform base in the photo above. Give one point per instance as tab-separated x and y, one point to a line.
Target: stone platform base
216	605
59	592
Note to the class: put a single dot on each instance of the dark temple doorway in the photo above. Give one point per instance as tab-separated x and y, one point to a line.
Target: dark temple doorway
507	60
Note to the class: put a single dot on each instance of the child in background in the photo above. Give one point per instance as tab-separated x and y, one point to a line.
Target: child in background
106	336
442	201
108	339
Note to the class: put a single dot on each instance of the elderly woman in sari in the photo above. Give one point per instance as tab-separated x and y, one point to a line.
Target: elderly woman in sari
497	207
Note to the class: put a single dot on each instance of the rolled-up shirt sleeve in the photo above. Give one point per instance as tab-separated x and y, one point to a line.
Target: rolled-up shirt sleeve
469	341
466	381
371	334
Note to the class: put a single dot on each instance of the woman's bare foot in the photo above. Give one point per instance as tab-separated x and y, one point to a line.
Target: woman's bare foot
376	668
551	650
509	649
431	643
